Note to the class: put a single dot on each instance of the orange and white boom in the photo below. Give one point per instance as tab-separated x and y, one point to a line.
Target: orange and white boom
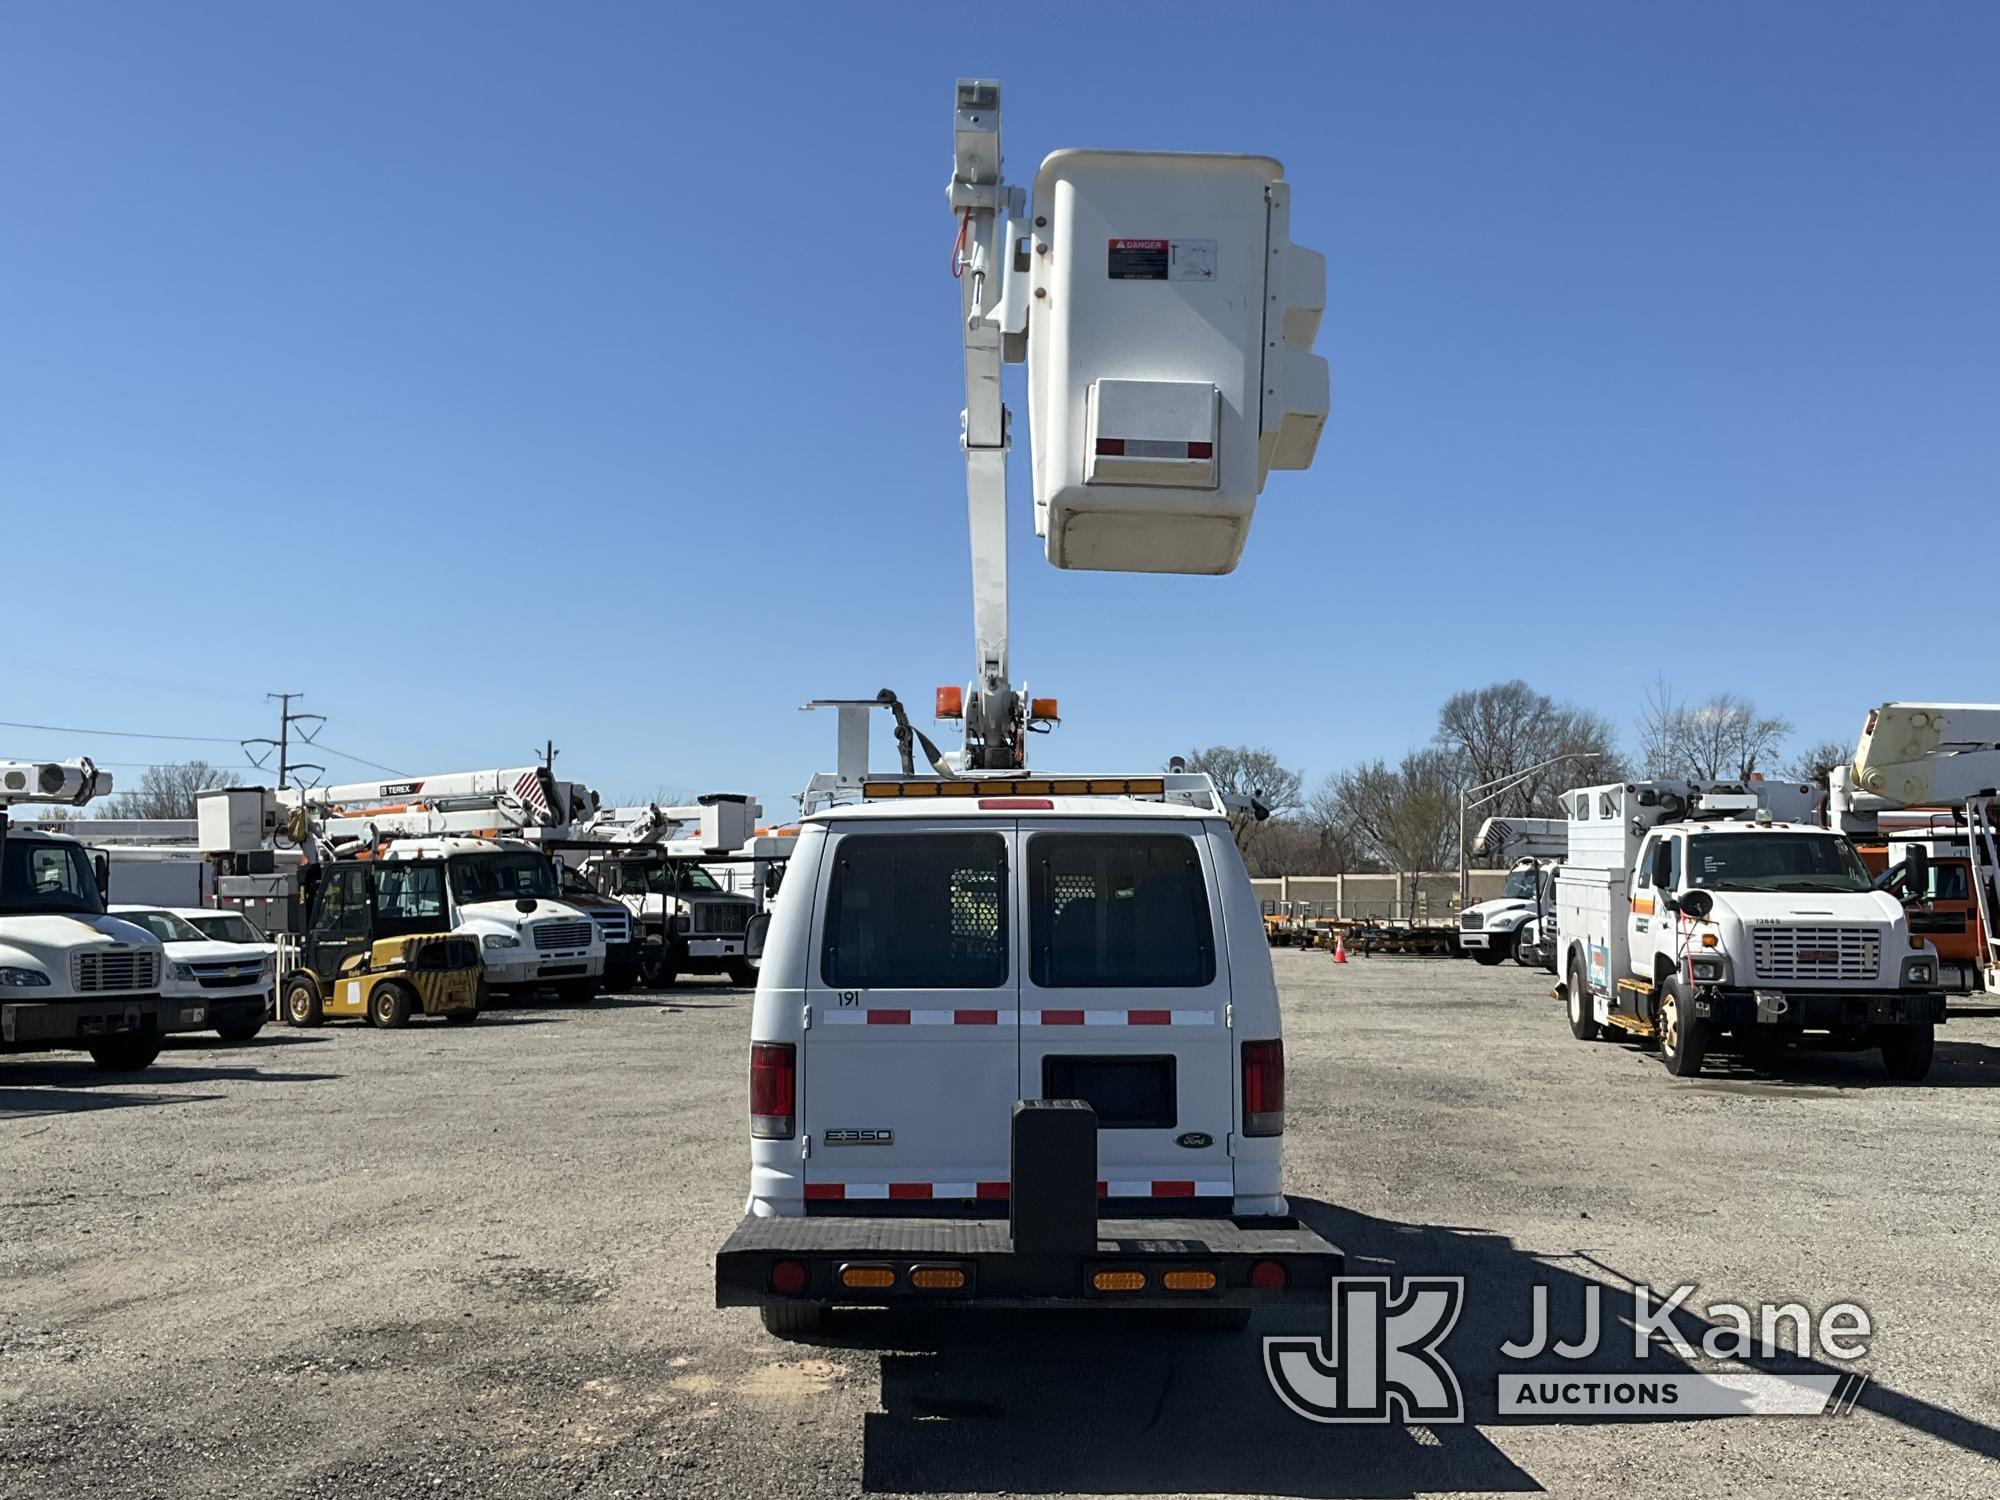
474	803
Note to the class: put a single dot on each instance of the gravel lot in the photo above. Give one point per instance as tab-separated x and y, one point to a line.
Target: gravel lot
475	1261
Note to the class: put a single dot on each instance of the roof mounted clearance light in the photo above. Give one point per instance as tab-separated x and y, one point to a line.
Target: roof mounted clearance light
1000	786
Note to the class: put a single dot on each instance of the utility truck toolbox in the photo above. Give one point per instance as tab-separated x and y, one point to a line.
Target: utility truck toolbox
1016	1043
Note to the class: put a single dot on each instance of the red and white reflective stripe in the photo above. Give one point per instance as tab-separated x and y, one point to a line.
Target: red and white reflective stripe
1117	1018
881	1017
916	1191
1177	1187
848	1016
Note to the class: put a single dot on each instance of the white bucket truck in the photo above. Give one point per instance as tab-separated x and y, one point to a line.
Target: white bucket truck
72	977
1691	912
1515	923
499	883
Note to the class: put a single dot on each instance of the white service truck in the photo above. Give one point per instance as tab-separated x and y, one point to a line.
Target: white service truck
1707	916
1512	924
73	977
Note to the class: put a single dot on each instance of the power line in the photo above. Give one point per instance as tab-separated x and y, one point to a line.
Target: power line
357	759
121	734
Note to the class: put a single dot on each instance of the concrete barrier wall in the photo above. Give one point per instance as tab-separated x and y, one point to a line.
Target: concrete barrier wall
1389	897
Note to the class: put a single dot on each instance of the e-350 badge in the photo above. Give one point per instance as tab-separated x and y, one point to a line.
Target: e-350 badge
853	1137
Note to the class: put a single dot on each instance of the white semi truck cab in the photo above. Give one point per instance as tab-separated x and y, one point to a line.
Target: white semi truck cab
504	893
1714	915
73	977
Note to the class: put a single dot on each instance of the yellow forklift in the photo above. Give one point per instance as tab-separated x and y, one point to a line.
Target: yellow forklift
373	941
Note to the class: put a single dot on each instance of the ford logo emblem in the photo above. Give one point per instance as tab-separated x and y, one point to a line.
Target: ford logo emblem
1195	1140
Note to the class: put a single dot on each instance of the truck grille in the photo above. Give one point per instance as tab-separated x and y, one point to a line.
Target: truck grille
561	935
131	969
615	925
1816	952
1471	920
218	977
720	918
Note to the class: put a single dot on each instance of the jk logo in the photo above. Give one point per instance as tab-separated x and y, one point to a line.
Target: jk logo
1378	1353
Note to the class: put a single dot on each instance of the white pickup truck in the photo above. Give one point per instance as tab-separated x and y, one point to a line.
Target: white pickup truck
1711	916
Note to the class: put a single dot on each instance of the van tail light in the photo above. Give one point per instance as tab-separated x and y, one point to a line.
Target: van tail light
1264	1088
774	1078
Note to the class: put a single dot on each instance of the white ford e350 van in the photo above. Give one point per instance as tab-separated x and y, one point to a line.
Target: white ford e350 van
1016	1043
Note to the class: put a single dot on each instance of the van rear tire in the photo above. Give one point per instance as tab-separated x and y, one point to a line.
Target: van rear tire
792	1320
125	1054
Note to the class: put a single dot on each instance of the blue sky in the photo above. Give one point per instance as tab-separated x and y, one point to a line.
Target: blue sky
495	372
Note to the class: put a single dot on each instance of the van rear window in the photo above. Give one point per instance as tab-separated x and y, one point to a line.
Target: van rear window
917	911
1118	910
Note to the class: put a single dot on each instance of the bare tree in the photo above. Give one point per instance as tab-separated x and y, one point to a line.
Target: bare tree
1813	766
167	791
1341	847
1722	738
1244	770
1402	815
1501	730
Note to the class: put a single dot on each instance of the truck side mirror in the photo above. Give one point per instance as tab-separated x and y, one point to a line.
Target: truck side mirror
1917	873
1663	865
1697	904
101	868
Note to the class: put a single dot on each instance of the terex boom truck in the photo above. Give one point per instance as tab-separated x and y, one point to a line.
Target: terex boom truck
499	886
1511	923
71	976
1920	802
1700	915
687	922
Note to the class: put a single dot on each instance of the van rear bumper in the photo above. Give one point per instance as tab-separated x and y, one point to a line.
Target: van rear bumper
996	1276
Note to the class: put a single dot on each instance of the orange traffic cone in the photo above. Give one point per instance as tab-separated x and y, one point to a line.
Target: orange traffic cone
1339	949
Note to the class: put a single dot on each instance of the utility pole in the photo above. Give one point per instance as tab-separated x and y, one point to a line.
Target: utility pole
283	743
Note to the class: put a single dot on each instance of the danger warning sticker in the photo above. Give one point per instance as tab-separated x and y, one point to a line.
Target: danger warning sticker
1162	260
1139	260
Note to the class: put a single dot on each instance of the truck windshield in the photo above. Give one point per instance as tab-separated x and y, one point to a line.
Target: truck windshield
163	925
504	875
1775	862
229	927
1520	886
663	880
41	875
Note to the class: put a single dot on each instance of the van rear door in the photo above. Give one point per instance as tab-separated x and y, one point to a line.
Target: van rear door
1125	999
913	1019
